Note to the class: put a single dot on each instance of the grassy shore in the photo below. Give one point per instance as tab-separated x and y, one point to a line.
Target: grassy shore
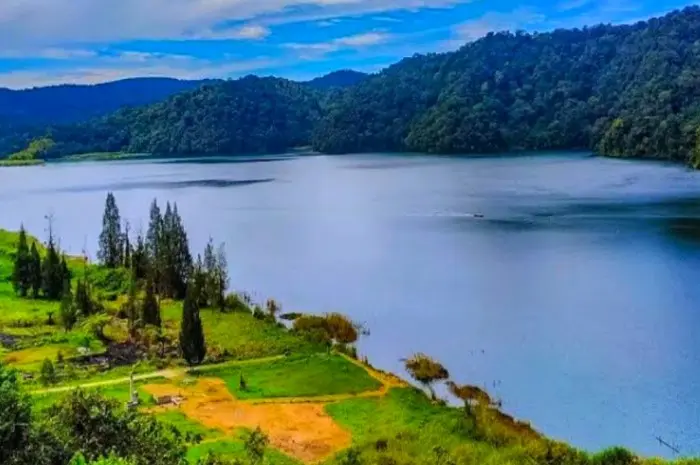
317	406
10	163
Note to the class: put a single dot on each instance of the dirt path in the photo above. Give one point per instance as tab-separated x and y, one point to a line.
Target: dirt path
169	373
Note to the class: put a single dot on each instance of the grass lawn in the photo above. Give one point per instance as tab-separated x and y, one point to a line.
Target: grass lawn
187	426
232	448
239	335
297	376
119	392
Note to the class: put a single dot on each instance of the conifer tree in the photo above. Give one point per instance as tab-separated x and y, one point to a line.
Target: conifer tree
181	254
130	309
139	259
192	342
150	309
222	279
210	271
68	313
52	273
21	274
35	270
155	247
126	253
111	247
83	298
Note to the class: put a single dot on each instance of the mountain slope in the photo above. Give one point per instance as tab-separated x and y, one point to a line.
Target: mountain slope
72	103
338	79
623	90
249	115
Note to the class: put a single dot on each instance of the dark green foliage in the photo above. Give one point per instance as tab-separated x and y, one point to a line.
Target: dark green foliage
111	250
139	259
52	272
248	115
41	447
35	271
48	374
426	371
84	301
192	342
130	309
175	259
95	426
614	456
623	90
150	308
15	415
22	272
68	311
255	444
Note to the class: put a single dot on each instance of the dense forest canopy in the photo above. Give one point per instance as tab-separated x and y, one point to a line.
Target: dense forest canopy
629	90
621	90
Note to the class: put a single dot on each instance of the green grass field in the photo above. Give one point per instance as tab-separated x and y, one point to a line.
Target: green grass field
239	336
297	376
233	449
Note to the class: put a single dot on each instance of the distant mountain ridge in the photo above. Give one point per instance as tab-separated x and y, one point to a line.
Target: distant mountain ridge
70	103
628	90
338	79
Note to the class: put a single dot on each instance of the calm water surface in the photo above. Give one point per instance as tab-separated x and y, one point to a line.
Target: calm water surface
575	299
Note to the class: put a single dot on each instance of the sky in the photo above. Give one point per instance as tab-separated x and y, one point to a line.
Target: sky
47	42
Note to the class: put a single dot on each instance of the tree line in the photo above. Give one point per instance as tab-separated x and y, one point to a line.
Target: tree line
36	276
157	266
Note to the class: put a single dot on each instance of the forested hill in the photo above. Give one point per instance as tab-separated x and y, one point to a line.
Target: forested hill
631	90
73	103
623	90
338	79
249	115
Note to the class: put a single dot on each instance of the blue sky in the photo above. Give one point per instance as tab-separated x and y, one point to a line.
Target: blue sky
88	41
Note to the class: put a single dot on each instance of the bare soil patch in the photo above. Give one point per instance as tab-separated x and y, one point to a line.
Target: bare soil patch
303	431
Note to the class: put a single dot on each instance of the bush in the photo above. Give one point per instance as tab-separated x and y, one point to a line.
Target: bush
614	456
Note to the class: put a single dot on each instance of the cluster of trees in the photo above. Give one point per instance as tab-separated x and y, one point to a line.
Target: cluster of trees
157	265
35	277
87	429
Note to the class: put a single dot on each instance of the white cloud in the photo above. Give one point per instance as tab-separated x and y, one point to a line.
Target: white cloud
568	5
521	18
134	64
358	41
55	23
49	53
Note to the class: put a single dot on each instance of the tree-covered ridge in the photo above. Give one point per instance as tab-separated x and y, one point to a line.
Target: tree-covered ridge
620	90
72	103
249	115
628	90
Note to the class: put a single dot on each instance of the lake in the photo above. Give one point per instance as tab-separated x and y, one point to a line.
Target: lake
575	298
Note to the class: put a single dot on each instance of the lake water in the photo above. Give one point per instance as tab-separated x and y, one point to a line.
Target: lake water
575	299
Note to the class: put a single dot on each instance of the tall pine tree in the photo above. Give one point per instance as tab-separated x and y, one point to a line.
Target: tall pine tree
155	247
21	274
126	242
52	273
35	270
192	342
68	312
139	259
150	308
111	247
